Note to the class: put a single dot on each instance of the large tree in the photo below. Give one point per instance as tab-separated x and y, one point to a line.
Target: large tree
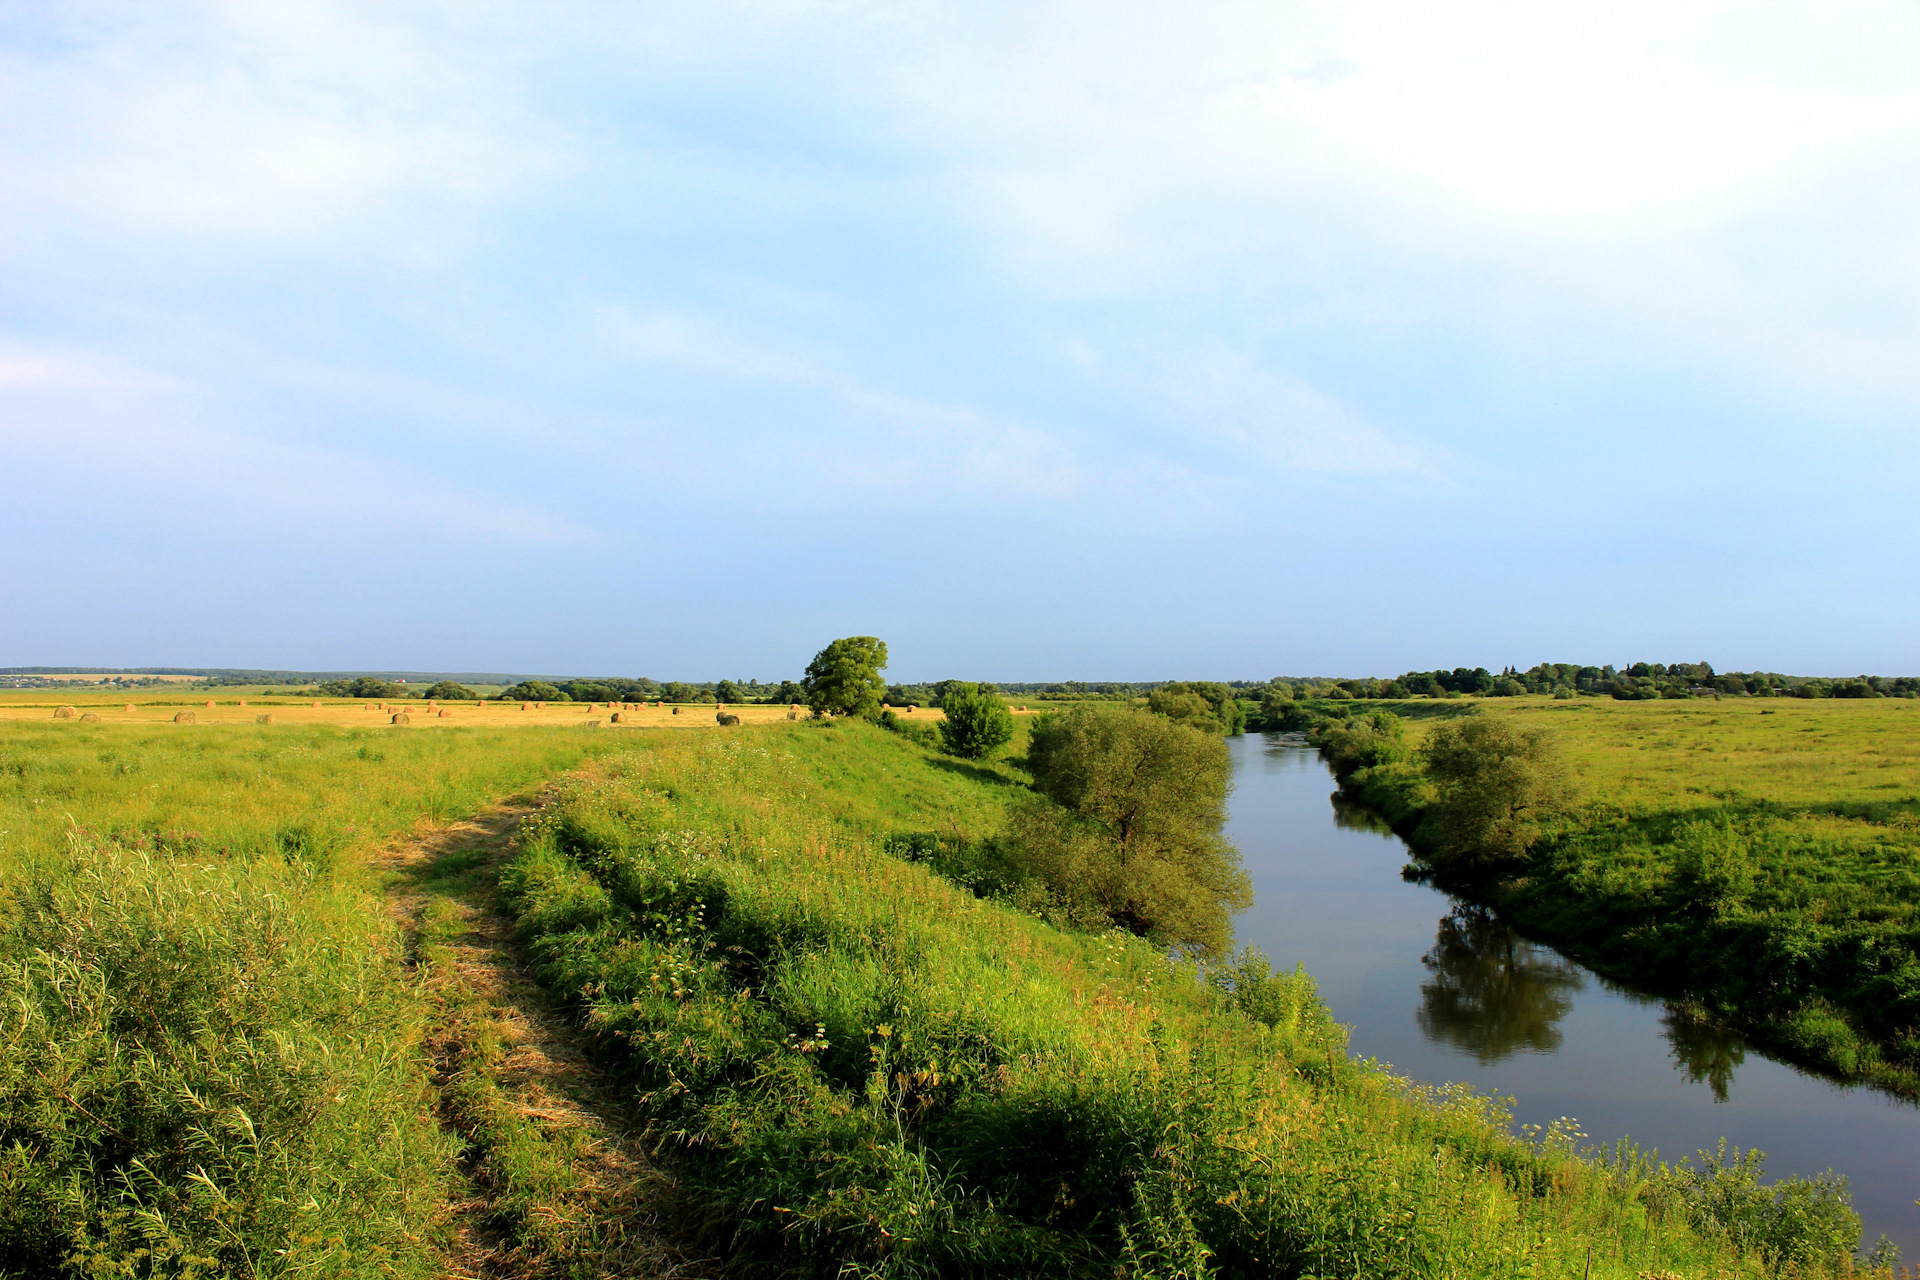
1133	829
844	678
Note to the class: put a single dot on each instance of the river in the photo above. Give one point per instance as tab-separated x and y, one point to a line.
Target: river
1446	992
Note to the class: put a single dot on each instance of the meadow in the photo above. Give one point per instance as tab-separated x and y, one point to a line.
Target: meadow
239	1036
1756	859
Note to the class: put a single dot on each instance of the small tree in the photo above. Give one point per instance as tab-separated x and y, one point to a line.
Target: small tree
1134	827
729	692
844	678
977	722
1496	784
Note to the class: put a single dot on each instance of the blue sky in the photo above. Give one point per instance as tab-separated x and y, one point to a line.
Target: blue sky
1044	341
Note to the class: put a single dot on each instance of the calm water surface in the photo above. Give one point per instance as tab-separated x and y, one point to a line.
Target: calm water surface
1446	992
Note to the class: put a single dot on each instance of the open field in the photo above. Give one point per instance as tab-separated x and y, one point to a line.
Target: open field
1804	927
261	1019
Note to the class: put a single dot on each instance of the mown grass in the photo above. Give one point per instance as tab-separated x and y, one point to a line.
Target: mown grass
210	1058
863	1069
1806	936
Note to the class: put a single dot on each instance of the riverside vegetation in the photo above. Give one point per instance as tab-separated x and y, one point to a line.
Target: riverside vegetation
869	1029
862	1067
1757	861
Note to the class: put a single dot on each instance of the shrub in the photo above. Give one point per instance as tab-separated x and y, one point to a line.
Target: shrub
1134	824
977	723
1376	739
1710	863
917	731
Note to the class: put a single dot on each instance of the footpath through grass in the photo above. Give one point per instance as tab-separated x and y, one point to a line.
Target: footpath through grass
211	1048
859	1068
1756	859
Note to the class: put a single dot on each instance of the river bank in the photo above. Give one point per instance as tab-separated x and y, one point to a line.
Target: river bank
1445	993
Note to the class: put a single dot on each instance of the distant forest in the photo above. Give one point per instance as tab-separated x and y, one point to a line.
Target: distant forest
1640	680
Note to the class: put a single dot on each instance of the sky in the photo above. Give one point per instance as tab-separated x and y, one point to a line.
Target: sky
1043	340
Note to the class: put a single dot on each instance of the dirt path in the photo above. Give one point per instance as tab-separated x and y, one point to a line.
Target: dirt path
555	1181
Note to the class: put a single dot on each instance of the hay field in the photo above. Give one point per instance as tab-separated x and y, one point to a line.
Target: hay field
361	714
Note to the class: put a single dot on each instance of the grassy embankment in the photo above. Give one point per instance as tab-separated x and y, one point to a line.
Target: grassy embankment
1804	932
862	1069
211	1056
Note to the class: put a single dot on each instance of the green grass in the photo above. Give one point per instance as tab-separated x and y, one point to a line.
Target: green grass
1808	940
217	1055
210	1058
862	1069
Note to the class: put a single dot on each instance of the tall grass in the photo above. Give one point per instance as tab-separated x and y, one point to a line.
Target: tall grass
209	1047
866	1070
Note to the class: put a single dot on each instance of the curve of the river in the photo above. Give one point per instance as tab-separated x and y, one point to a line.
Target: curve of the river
1446	992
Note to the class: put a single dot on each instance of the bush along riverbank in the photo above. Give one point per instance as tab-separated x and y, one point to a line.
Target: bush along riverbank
861	1068
1794	922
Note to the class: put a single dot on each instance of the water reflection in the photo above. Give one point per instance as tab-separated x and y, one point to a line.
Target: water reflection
1493	993
1349	816
1703	1050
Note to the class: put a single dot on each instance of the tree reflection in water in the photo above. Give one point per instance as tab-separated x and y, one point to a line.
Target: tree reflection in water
1703	1049
1493	993
1349	816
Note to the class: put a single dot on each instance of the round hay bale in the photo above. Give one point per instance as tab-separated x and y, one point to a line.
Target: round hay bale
442	713
676	711
265	717
243	702
526	706
723	717
184	717
617	717
400	717
65	713
911	708
90	717
541	705
316	706
370	706
130	706
209	704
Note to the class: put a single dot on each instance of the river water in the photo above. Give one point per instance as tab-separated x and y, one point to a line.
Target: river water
1446	992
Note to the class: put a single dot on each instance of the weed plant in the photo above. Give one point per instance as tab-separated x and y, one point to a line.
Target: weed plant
864	1069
